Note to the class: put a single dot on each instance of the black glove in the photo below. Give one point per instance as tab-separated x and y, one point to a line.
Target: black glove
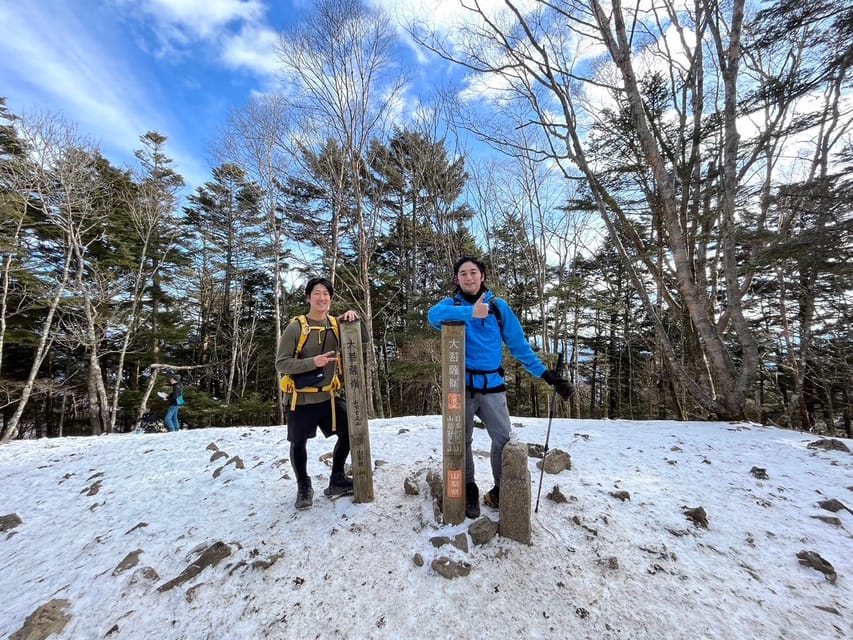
561	385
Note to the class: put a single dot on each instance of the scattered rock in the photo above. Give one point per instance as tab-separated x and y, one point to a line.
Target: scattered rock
621	495
556	495
833	505
829	520
447	568
410	487
436	489
556	461
418	560
210	557
47	620
828	609
828	444
482	530
93	489
9	522
535	450
813	560
212	447
460	541
130	561
266	563
698	516
759	473
576	519
236	460
439	541
144	575
140	525
190	594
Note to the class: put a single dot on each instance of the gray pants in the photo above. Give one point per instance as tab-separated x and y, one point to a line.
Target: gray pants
491	408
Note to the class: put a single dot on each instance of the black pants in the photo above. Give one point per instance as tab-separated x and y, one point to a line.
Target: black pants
302	424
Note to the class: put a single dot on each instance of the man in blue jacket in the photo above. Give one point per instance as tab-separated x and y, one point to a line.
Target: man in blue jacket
489	322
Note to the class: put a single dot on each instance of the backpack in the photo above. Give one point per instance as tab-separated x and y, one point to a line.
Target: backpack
288	384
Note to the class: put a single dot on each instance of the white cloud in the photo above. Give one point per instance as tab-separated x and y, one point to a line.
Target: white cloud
198	19
252	48
235	30
71	67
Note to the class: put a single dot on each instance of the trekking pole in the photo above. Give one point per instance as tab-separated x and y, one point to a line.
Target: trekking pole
551	412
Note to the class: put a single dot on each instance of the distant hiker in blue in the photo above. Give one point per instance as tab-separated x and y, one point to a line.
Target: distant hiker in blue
175	399
489	322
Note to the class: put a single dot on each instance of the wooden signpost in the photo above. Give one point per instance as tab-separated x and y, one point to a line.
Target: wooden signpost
356	396
453	420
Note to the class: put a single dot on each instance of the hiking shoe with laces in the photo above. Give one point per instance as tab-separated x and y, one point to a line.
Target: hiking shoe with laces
339	485
304	494
472	500
492	498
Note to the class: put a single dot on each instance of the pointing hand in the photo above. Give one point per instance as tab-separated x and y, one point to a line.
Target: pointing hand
324	358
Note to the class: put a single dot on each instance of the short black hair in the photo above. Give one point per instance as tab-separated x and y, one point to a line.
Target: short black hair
313	282
458	264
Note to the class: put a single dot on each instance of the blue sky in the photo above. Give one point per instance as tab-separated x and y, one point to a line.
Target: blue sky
120	68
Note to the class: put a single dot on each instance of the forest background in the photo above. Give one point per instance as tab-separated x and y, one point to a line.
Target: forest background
662	192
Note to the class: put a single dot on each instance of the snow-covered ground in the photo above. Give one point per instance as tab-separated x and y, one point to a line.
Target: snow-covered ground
110	529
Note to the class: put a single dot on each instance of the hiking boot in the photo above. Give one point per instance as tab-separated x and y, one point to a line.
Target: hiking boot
493	498
304	494
472	500
339	484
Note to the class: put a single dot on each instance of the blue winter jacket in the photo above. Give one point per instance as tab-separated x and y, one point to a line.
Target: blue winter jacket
484	338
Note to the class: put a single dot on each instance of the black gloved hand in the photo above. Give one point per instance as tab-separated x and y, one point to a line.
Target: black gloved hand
561	385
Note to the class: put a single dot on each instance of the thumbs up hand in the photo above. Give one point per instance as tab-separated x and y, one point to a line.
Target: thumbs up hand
481	309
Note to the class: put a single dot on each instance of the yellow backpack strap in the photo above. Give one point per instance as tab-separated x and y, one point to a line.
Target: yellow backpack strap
287	385
286	382
306	331
336	381
333	321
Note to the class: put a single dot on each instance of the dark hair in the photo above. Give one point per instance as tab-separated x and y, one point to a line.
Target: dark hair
458	264
313	282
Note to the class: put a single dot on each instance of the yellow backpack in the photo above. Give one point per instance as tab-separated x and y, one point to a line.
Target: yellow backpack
287	383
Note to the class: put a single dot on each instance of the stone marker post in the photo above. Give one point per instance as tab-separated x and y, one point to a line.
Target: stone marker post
356	395
453	420
515	493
